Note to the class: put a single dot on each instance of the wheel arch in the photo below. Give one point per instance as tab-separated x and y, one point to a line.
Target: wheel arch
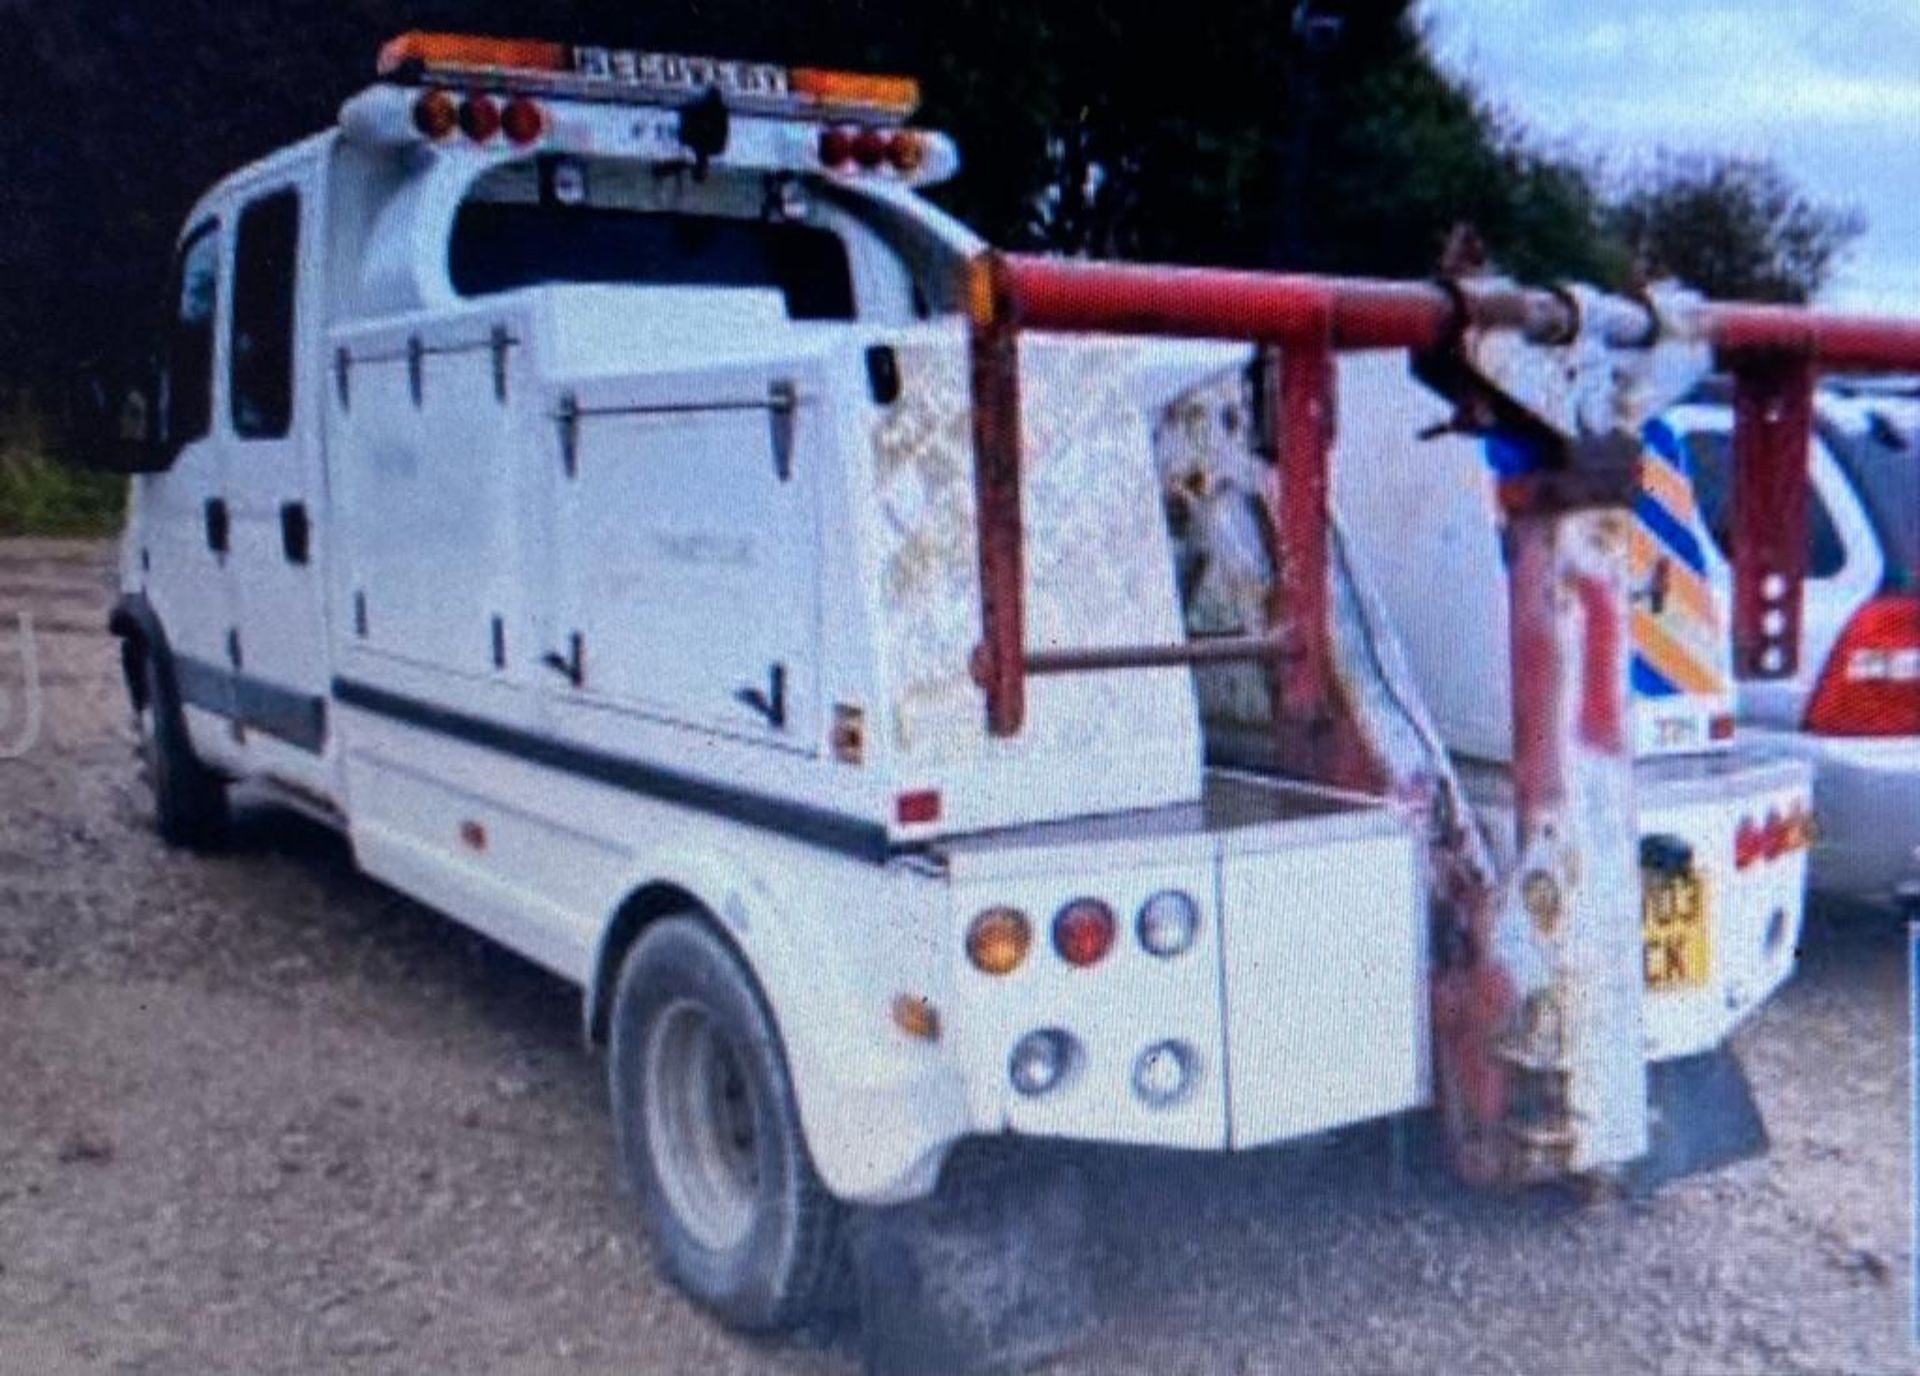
135	624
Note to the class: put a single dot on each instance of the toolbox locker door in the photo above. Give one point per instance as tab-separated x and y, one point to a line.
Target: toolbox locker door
1325	978
687	542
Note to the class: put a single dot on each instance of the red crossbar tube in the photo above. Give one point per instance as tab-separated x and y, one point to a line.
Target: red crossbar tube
1309	318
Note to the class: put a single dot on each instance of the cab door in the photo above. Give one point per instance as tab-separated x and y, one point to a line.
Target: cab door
275	480
184	525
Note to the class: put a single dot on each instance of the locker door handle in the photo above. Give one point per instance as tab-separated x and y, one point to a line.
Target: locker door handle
219	525
296	532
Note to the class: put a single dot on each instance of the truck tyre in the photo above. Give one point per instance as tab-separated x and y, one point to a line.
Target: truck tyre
189	800
709	1138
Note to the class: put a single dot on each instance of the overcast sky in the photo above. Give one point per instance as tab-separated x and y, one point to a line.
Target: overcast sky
1830	89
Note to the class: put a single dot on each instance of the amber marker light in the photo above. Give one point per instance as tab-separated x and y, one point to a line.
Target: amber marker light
998	940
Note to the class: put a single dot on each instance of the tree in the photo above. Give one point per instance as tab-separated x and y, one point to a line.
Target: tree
1731	227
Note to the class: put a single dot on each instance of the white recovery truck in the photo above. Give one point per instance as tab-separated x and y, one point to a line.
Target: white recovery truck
601	485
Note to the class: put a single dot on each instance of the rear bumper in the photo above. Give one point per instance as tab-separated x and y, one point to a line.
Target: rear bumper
1867	809
1755	913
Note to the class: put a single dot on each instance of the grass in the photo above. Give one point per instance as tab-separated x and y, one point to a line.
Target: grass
39	496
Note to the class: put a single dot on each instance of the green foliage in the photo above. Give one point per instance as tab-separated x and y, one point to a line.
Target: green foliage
41	497
1731	227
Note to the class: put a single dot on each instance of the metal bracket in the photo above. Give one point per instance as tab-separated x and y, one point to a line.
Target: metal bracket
499	341
416	368
783	402
567	416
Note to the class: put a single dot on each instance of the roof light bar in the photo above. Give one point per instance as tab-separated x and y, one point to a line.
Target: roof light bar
632	76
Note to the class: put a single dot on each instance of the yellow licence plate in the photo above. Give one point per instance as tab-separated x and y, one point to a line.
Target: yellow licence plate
1673	924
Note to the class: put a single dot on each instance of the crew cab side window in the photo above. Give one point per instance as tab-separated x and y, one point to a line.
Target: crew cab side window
260	366
186	399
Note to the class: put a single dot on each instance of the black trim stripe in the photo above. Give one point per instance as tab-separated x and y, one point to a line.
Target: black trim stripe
833	830
296	718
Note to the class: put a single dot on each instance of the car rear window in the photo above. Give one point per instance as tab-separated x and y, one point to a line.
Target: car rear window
1885	469
1710	453
502	246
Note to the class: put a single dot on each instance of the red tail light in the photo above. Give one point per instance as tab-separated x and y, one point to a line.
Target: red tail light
435	114
869	148
1871	683
836	147
1083	931
1749	844
480	117
523	120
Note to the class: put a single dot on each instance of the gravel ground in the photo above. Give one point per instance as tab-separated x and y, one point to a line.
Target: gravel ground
259	1115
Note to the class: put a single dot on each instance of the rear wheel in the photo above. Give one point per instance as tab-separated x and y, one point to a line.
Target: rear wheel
189	800
709	1137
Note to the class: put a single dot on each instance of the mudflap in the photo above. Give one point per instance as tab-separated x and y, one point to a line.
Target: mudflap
988	1275
1701	1115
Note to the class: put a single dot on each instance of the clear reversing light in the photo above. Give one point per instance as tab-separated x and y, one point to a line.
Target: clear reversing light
1168	923
1040	1061
1164	1073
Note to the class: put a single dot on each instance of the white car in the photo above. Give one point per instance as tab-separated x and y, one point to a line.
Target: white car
1853	707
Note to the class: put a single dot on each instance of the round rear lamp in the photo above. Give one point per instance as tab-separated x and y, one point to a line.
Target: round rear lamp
998	939
1164	1074
1083	931
436	115
1168	923
836	147
479	117
1040	1061
523	121
906	150
869	148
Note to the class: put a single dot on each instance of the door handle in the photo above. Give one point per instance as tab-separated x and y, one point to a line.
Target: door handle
219	525
771	701
296	532
573	664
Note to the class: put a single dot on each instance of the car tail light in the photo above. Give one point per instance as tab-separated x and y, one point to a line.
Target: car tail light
1083	931
479	117
523	120
1780	834
1871	683
436	115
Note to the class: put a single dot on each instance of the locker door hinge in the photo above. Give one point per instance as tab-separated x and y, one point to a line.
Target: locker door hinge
783	402
567	416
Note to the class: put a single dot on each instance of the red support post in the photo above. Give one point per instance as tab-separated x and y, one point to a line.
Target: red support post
1772	418
999	663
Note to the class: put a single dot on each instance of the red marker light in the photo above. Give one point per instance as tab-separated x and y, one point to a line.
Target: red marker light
869	148
836	147
1083	931
1749	844
917	809
436	115
479	117
523	121
906	150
